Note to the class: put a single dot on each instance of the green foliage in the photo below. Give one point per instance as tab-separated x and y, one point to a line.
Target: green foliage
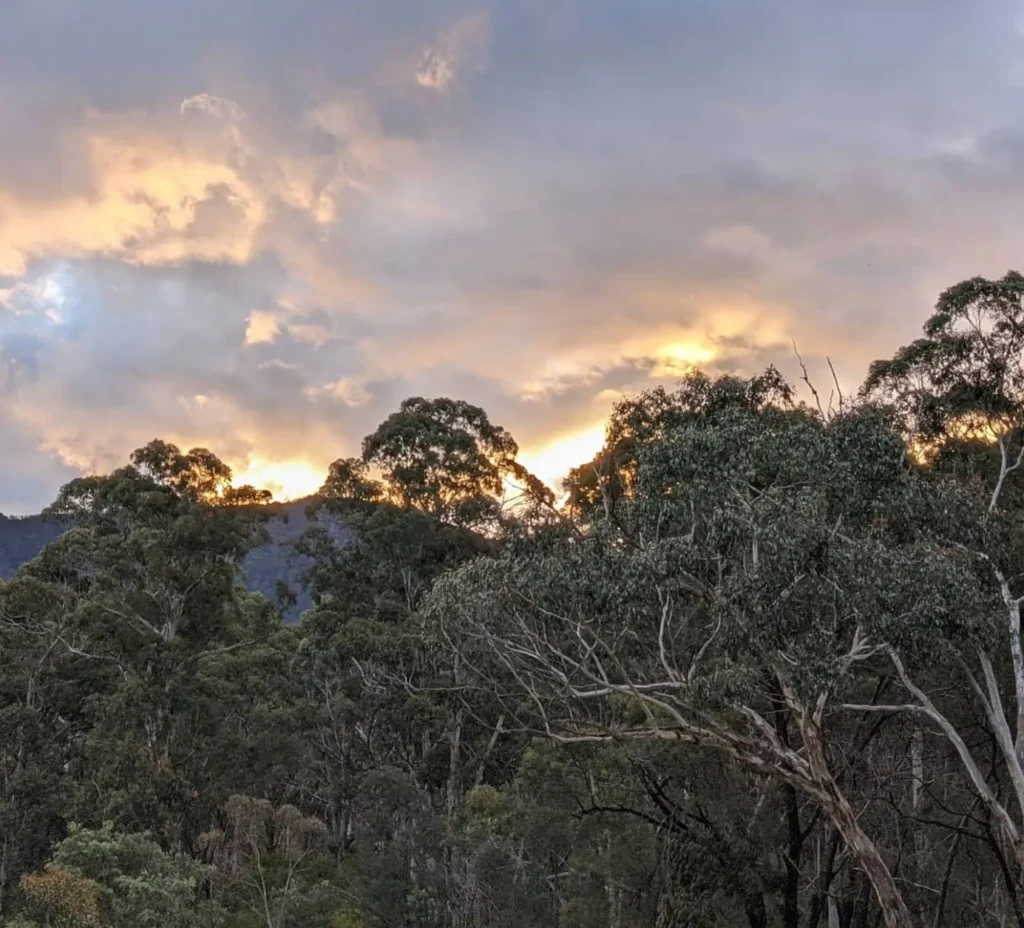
960	387
724	686
348	917
349	479
643	420
111	878
134	608
443	457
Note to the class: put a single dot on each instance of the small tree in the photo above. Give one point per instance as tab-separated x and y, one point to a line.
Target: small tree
262	855
107	877
56	897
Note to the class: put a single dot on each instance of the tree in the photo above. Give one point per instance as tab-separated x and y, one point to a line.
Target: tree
198	475
640	420
136	599
40	719
963	381
962	384
263	858
59	898
445	457
381	722
107	877
746	586
349	479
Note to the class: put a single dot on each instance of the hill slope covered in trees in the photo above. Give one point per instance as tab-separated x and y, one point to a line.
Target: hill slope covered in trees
264	567
763	669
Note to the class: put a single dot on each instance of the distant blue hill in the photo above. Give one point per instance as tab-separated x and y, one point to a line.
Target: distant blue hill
22	538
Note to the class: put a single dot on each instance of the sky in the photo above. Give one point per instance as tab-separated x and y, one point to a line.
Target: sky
258	225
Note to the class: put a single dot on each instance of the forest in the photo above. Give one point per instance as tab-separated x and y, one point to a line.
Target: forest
759	665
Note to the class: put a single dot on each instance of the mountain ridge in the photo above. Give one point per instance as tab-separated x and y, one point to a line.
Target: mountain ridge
22	538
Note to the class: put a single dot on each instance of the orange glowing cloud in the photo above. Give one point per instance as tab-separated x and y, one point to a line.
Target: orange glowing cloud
286	479
202	184
262	327
291	274
553	460
152	203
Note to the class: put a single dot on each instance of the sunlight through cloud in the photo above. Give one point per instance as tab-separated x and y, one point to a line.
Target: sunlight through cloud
287	480
553	461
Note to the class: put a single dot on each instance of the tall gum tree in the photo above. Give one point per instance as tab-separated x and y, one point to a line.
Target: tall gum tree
136	599
959	390
757	566
443	457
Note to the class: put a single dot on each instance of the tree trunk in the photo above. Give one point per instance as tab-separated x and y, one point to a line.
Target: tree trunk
863	850
795	840
755	910
3	880
452	856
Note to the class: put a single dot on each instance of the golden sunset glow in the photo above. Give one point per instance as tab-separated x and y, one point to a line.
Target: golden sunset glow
964	428
679	358
287	480
227	260
481	438
551	462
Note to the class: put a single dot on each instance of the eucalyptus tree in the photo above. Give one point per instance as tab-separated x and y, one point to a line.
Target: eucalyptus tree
40	722
638	421
389	750
963	380
140	601
440	456
960	391
427	495
755	576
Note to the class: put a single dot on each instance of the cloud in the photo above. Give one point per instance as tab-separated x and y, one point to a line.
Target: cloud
211	105
746	242
150	201
261	328
345	390
263	234
462	45
30	476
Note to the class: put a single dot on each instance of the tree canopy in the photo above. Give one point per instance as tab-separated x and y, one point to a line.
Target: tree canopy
441	456
763	668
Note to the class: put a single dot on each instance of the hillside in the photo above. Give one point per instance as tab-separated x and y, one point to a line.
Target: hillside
277	561
22	538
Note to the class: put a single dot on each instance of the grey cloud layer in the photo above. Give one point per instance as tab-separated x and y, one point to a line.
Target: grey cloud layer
533	205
